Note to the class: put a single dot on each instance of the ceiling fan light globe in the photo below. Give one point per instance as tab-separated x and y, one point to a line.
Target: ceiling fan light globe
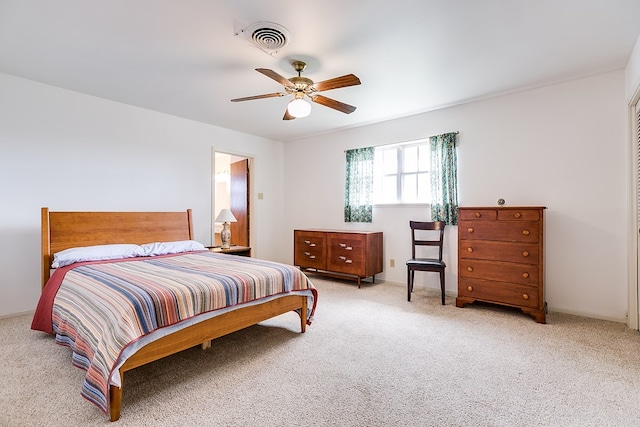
299	108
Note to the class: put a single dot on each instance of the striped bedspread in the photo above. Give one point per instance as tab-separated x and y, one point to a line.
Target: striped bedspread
100	308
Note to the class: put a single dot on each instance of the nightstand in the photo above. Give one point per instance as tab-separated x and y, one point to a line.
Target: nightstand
233	250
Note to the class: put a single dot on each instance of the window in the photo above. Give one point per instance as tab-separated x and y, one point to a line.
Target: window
401	173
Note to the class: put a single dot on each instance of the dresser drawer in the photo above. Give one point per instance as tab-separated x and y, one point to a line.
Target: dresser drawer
502	293
309	239
518	214
509	231
524	253
346	253
524	274
310	249
477	214
314	257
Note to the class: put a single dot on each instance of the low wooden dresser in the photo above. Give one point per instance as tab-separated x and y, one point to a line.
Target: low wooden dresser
501	257
344	254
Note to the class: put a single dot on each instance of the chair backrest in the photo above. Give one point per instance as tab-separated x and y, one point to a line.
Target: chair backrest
432	226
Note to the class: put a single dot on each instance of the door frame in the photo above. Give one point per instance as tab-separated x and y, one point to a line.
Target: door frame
250	184
633	318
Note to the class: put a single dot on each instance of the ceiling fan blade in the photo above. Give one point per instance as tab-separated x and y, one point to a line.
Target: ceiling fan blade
287	116
338	82
268	95
277	77
332	103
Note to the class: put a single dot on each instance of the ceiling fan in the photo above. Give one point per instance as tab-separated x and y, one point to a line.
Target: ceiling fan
300	87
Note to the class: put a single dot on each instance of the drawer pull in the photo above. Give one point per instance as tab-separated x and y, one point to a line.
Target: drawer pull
343	258
478	214
517	214
312	257
525	296
525	275
469	249
348	261
307	253
525	253
307	241
469	230
470	288
348	248
469	268
526	232
342	245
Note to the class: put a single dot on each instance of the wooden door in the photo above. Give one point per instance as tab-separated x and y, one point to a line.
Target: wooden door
240	202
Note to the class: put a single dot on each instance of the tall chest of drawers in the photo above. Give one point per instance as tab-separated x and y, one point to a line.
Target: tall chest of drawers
348	254
501	257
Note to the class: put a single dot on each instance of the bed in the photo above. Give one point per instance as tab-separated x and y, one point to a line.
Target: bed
245	291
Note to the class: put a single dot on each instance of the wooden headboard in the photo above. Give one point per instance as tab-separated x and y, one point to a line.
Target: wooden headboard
64	230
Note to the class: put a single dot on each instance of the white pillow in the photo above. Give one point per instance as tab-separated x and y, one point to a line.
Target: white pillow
95	253
163	248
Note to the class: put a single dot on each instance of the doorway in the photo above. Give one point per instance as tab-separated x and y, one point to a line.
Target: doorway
231	190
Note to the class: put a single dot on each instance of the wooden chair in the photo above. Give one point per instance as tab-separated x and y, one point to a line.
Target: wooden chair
426	264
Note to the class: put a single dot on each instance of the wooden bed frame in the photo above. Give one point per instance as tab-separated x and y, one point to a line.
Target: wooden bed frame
63	230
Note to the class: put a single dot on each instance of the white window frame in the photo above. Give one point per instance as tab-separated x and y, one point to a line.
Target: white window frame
401	174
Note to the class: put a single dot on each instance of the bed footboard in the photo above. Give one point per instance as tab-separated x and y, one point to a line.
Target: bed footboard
203	332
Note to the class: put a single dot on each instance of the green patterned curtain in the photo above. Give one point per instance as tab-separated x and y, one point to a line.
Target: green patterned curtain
444	178
358	194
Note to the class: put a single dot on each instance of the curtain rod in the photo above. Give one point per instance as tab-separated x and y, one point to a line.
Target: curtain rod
406	142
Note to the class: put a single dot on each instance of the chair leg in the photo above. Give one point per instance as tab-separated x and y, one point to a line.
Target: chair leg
409	283
442	286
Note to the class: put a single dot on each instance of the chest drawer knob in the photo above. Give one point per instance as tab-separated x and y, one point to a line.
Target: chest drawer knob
469	249
525	253
470	288
478	215
525	296
469	268
517	214
526	232
525	275
469	230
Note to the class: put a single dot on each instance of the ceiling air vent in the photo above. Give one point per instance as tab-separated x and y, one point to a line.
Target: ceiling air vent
267	36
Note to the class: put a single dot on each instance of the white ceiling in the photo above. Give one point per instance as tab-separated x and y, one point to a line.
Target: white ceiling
183	57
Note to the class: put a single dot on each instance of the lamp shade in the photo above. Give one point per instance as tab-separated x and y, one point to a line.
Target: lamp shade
299	108
225	215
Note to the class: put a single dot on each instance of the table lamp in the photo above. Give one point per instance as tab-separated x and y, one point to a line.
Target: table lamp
225	217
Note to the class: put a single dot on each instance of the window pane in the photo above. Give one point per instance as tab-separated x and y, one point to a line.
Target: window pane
410	159
409	188
390	161
424	188
424	158
389	190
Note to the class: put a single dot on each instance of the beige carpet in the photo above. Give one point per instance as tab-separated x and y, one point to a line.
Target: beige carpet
370	359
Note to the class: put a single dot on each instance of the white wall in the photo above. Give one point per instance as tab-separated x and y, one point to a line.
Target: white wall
632	96
632	72
69	151
561	146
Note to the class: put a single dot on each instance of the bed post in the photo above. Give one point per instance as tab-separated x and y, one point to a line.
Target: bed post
115	400
303	315
46	247
190	221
